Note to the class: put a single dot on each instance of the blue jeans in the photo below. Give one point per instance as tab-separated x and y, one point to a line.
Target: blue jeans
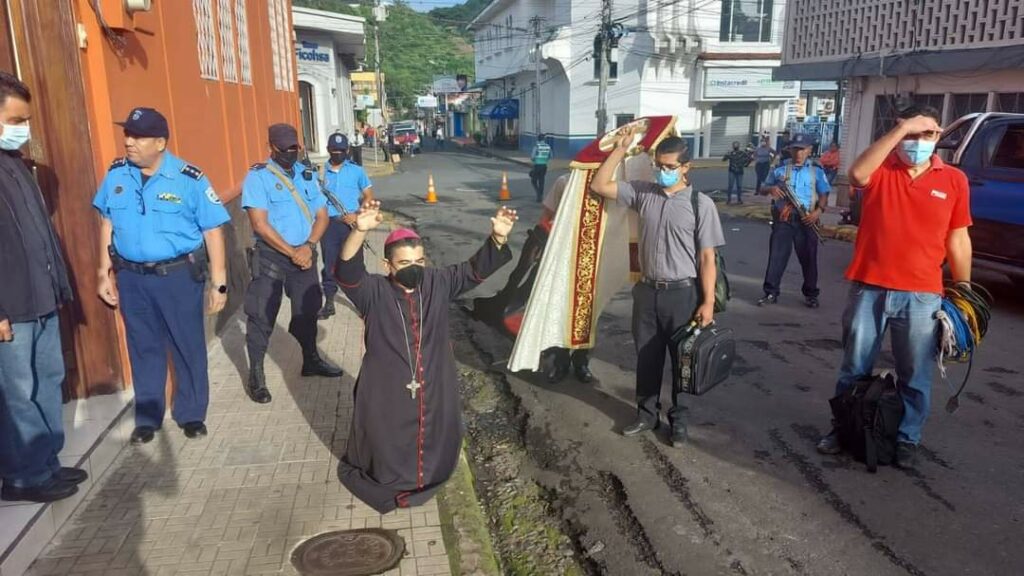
735	185
910	316
31	424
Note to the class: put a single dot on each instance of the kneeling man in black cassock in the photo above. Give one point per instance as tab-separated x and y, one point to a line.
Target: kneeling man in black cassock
407	423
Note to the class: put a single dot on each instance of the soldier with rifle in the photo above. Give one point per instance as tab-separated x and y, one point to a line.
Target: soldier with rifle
800	190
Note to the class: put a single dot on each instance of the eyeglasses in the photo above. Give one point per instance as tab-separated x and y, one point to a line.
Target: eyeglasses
142	202
664	167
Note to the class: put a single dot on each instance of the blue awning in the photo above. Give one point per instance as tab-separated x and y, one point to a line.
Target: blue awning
500	109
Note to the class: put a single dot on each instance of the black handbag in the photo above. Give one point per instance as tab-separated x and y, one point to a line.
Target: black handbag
706	356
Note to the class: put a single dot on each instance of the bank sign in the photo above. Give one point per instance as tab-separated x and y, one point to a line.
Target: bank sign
313	54
746	83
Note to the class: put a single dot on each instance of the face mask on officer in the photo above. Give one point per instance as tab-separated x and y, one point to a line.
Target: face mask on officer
407	263
338	157
286	158
14	136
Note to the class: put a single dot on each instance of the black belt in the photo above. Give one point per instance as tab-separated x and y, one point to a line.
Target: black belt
158	268
667	284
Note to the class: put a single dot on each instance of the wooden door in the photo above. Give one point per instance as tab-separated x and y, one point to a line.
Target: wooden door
45	41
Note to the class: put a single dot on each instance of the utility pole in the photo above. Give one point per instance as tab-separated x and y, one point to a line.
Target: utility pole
536	21
602	45
379	15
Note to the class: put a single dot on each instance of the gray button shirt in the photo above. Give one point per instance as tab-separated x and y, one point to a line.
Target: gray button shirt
667	252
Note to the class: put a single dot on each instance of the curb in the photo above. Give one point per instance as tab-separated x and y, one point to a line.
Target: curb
464	526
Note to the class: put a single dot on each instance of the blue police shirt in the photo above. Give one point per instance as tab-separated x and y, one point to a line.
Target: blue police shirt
163	219
262	189
800	182
347	184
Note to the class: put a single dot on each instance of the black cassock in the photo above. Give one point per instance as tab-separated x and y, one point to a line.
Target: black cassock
403	446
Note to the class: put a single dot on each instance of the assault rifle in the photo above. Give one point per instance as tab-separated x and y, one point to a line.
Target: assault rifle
788	196
333	200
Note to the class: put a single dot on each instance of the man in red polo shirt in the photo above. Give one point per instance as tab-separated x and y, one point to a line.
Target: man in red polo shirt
915	214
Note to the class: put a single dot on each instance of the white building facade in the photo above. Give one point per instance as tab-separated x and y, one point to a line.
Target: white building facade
710	63
960	56
328	46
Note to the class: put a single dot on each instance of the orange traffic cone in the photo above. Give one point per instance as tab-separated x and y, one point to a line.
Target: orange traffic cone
504	194
431	193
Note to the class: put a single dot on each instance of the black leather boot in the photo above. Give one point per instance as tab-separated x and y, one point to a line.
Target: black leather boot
314	365
257	386
328	310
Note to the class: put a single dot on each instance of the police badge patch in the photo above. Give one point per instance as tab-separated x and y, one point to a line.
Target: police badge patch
278	186
118	189
211	195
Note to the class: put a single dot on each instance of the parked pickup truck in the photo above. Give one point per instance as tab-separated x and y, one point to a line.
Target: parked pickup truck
989	148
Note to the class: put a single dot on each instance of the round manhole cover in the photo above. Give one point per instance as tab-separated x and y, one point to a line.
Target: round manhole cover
349	553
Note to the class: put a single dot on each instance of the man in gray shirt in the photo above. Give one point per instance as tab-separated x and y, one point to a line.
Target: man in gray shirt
678	284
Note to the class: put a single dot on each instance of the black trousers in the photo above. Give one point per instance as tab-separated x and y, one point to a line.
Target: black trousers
263	301
537	175
657	314
565	357
357	155
787	236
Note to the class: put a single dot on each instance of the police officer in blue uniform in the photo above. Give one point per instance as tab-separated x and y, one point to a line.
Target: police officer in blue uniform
161	226
809	184
347	186
288	213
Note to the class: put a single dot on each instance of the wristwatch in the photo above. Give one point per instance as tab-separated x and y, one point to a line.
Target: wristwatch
223	288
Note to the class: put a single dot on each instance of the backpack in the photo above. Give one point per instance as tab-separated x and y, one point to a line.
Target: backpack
723	293
867	419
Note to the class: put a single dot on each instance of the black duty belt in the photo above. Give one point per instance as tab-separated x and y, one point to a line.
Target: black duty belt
667	284
160	268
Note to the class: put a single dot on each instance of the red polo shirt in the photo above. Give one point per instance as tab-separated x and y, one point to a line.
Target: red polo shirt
901	242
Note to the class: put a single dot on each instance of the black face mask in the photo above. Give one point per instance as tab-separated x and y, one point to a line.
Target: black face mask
410	276
286	159
337	158
735	147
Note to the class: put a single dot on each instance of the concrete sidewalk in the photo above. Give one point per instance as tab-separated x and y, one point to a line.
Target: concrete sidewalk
239	500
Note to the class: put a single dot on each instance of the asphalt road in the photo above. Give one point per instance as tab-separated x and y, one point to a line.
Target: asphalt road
748	494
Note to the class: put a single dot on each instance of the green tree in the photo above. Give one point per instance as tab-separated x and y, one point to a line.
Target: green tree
414	48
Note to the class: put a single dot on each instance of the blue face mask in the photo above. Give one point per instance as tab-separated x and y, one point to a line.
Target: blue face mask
915	152
668	178
14	137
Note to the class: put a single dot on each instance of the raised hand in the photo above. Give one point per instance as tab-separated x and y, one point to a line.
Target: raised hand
624	139
503	221
920	125
369	216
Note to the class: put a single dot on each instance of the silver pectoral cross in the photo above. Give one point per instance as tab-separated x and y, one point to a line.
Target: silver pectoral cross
413	387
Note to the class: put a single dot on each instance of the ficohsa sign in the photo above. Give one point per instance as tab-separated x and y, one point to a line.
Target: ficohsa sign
312	52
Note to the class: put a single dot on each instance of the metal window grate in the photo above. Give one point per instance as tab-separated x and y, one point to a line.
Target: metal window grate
244	57
288	81
229	60
206	39
844	28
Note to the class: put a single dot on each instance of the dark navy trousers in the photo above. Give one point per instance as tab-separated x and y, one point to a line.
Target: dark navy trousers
786	237
331	243
165	314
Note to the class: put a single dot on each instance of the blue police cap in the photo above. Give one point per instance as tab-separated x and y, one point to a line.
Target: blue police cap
146	123
337	141
801	141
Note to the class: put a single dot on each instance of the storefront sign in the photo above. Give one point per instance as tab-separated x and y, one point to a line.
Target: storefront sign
735	83
313	55
426	102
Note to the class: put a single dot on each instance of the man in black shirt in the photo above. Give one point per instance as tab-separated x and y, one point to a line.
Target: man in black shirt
35	285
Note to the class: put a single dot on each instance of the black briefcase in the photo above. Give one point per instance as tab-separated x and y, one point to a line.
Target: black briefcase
705	357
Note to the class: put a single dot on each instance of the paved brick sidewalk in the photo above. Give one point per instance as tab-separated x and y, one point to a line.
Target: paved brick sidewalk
238	501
